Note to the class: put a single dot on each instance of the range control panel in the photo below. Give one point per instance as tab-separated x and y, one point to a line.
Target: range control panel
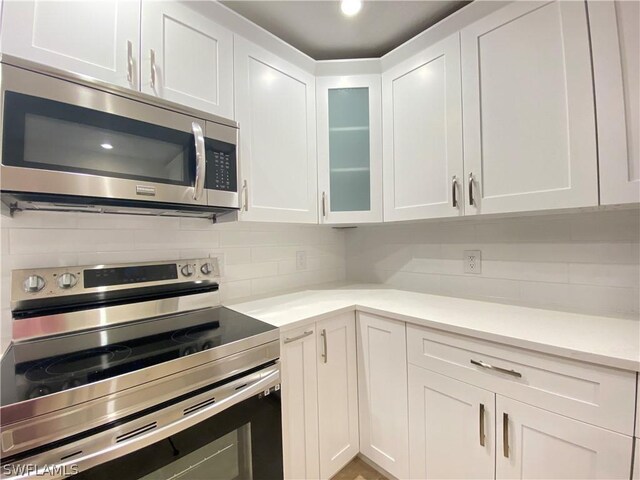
49	282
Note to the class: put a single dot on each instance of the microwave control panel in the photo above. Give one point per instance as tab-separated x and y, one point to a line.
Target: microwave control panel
221	166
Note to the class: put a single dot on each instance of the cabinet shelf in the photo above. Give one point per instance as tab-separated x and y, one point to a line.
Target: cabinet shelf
350	169
350	129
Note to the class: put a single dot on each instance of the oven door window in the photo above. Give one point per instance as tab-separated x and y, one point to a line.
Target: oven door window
243	442
49	135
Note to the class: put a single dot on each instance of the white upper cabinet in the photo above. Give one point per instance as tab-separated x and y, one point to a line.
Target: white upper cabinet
535	443
615	36
422	125
275	106
529	122
349	149
99	39
186	58
451	428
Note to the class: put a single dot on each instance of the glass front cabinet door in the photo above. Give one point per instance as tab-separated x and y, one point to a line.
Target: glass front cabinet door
349	149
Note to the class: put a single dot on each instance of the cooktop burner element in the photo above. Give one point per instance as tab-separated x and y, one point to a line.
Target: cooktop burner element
30	371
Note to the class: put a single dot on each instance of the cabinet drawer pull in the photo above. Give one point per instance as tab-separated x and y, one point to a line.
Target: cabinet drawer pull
472	201
154	69
298	337
129	61
324	205
482	436
454	192
245	194
325	353
505	435
482	364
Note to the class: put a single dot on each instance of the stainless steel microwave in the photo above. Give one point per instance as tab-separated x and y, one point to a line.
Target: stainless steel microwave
72	143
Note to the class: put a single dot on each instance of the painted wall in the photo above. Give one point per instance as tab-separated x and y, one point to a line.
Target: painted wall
580	262
256	258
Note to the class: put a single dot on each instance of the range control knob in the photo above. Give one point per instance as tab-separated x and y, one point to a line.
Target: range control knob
33	284
67	280
187	270
206	268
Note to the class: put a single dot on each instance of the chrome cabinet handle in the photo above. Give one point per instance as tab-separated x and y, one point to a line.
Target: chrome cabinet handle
298	337
154	70
129	61
505	435
482	436
482	364
201	164
325	353
245	194
324	205
454	191
472	201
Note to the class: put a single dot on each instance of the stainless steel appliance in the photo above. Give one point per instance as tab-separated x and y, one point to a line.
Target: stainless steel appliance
72	143
135	371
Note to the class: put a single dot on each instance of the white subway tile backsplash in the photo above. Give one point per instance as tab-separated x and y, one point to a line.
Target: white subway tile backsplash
604	274
30	240
248	253
583	262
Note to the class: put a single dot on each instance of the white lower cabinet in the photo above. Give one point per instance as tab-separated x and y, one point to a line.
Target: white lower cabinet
319	398
337	393
535	443
409	399
451	428
636	461
299	404
382	393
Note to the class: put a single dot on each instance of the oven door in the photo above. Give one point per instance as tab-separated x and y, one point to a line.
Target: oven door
63	138
231	431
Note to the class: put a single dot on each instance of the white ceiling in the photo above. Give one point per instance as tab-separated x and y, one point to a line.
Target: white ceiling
319	29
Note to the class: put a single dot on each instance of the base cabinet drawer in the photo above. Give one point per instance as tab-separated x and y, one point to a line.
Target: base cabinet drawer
590	393
534	443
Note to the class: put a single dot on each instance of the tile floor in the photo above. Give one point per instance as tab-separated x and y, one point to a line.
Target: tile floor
358	470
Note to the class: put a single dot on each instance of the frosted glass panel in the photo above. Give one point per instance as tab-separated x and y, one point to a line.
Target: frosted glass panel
349	160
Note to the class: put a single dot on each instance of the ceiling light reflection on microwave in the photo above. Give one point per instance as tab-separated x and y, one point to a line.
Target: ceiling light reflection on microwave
350	7
106	146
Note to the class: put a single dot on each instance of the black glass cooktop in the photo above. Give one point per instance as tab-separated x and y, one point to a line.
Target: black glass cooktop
42	367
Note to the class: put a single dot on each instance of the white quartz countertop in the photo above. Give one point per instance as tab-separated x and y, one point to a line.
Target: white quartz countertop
606	341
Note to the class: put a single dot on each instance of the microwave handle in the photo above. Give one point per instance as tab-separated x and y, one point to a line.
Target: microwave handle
201	161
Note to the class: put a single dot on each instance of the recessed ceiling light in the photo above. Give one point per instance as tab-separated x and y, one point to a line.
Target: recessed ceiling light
350	7
106	146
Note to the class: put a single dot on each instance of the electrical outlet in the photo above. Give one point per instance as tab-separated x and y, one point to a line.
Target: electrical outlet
472	261
301	260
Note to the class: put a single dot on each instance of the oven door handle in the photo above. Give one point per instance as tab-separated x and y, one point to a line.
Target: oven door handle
201	160
151	428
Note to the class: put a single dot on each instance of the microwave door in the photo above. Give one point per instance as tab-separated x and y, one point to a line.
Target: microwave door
79	141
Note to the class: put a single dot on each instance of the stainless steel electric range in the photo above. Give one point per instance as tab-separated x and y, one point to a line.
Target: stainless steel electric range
135	371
